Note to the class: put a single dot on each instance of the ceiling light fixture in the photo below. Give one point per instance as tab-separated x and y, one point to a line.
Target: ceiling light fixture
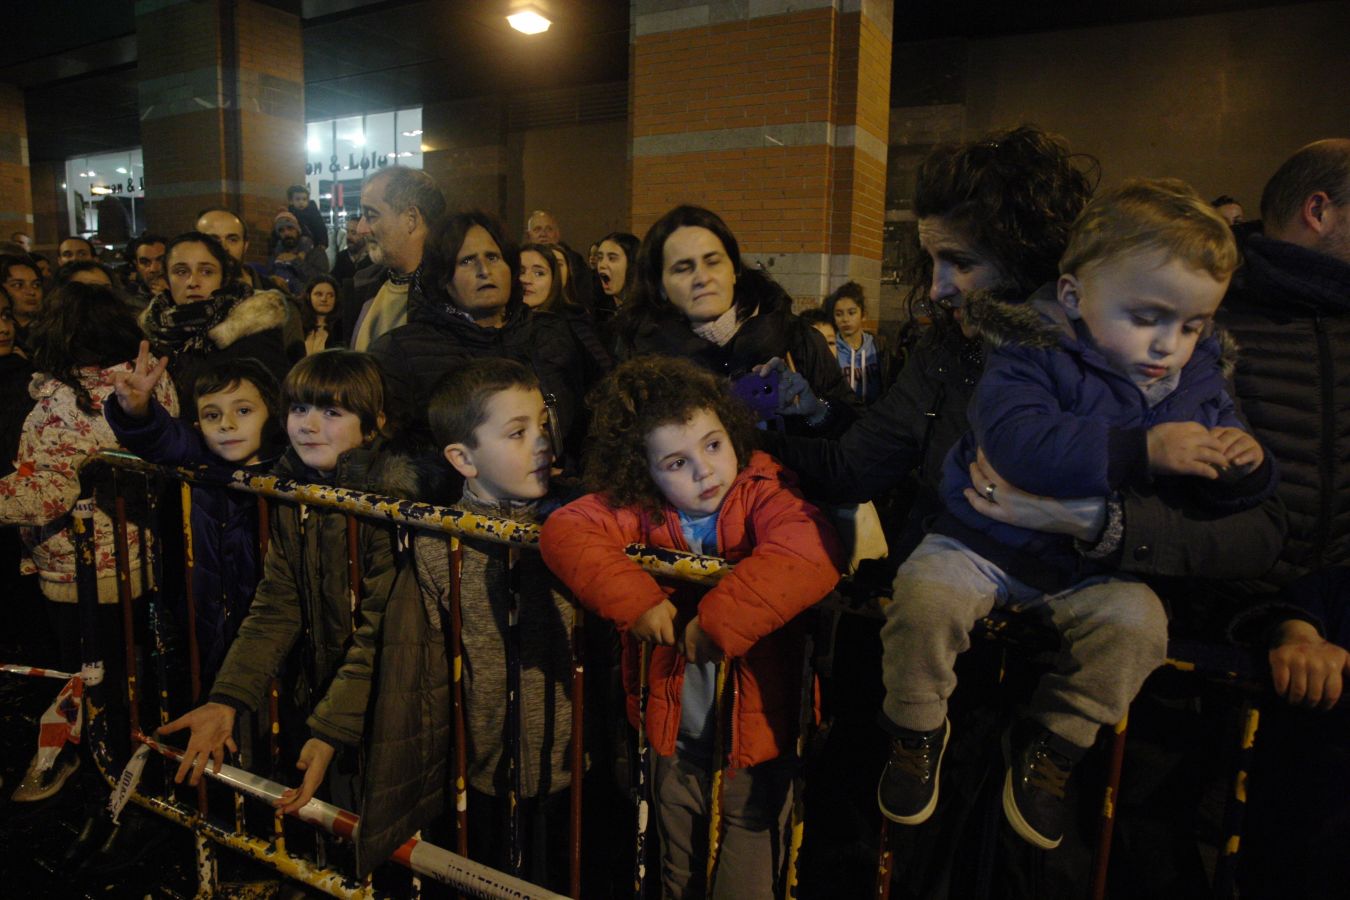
529	20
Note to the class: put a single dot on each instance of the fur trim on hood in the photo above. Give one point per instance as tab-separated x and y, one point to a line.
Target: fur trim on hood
395	475
1042	323
258	312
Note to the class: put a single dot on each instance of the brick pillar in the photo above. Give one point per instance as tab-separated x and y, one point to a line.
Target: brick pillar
465	150
222	111
773	114
16	194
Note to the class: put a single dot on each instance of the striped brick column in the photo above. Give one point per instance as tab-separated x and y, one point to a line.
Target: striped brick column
16	194
222	110
774	114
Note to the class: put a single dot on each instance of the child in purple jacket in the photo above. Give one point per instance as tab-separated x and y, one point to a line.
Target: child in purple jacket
1109	378
235	427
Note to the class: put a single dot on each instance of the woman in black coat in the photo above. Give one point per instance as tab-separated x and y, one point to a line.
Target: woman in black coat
473	308
207	313
692	298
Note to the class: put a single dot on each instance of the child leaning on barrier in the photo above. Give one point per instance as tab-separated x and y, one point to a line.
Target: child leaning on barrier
234	428
492	425
334	403
1114	378
82	338
671	458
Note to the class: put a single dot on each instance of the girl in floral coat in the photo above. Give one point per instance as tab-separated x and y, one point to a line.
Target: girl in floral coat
83	336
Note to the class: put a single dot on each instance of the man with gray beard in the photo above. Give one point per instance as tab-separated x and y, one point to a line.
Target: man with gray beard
399	209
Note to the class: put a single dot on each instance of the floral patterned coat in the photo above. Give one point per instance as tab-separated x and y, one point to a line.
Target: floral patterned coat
58	439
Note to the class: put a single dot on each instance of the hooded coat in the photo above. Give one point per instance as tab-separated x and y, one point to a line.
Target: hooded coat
786	559
1056	420
304	600
438	339
54	449
909	431
225	554
253	328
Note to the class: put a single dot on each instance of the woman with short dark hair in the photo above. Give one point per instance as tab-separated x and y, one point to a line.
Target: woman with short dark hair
474	308
693	298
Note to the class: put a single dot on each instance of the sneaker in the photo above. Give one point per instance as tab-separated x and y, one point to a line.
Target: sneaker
1039	765
38	785
908	790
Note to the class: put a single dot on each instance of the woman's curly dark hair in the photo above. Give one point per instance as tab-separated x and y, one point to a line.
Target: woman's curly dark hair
638	397
1013	194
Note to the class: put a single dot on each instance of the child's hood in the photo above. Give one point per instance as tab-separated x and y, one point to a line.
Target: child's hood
367	469
258	312
1042	323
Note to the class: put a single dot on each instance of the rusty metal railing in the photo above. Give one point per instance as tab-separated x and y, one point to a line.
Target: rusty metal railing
425	859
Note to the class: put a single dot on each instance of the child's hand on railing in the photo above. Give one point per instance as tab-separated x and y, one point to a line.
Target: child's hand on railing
314	759
135	389
1307	669
212	727
656	625
698	647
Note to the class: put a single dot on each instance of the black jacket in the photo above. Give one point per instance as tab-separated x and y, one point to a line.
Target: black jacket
911	429
312	224
771	330
15	405
1289	309
437	339
255	327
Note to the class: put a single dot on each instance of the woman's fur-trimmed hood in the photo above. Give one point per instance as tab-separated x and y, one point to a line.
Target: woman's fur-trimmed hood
1042	323
260	311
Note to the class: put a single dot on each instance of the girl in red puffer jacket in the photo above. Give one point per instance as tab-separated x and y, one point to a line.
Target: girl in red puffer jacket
671	454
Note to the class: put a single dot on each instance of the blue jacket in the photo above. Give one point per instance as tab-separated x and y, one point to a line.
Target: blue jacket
1056	420
226	564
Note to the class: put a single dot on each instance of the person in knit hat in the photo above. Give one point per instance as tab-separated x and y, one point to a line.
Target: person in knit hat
294	258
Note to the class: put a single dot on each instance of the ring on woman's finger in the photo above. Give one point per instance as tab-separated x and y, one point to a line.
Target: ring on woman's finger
989	492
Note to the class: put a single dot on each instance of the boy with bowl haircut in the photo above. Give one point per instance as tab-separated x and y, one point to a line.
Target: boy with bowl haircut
1110	377
491	422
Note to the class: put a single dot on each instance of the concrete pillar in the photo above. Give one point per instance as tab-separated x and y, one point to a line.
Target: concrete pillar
16	194
222	111
774	114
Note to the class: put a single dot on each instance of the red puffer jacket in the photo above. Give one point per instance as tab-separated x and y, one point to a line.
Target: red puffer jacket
787	558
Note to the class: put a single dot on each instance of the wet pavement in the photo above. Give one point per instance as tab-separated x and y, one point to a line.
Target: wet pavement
33	836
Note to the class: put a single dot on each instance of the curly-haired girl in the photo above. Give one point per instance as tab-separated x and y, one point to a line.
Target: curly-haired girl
672	466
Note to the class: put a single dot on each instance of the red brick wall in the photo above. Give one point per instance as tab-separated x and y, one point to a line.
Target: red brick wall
802	67
16	196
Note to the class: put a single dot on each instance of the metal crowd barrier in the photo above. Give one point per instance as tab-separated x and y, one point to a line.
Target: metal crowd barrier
422	858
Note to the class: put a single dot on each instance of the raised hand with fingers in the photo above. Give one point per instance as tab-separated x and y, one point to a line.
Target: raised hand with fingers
135	389
314	759
212	727
656	625
1185	448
